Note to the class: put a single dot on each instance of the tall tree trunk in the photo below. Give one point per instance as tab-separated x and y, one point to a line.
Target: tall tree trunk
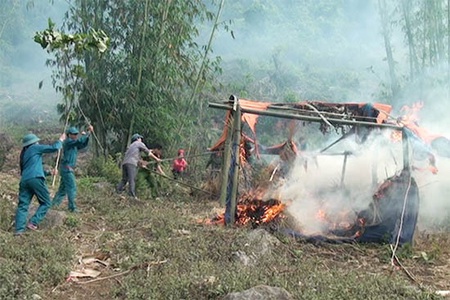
205	55
6	20
387	44
140	66
162	30
440	31
413	63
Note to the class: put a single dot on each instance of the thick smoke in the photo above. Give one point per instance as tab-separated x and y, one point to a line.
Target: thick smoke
27	96
334	189
338	183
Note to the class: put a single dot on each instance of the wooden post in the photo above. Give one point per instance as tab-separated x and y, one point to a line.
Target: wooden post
226	158
405	144
344	166
236	162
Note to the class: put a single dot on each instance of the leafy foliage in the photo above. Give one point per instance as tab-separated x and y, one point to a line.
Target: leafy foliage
105	168
52	40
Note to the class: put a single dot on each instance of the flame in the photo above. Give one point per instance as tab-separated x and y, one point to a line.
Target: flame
321	215
342	223
254	211
258	212
396	136
273	212
251	209
409	119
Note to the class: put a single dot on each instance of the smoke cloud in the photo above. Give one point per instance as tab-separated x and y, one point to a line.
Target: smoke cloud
334	189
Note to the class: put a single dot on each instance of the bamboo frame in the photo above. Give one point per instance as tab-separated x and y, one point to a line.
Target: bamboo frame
235	132
306	118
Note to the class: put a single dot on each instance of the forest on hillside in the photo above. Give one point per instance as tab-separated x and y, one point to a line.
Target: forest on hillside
165	60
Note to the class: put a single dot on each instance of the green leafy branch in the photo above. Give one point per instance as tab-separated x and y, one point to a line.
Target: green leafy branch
51	39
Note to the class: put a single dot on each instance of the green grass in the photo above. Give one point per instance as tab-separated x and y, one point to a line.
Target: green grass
166	254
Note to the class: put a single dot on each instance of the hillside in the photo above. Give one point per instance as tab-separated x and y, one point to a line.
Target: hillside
156	248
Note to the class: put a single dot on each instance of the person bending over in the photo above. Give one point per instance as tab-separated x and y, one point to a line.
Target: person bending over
130	164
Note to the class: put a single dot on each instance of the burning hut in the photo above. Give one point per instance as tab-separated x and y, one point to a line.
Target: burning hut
391	213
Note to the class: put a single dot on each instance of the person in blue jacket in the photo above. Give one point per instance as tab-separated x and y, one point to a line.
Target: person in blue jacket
68	185
32	182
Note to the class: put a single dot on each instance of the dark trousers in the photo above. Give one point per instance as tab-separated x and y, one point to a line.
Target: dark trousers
27	189
68	186
129	173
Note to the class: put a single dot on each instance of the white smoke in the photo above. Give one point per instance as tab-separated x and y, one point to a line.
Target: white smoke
337	186
328	189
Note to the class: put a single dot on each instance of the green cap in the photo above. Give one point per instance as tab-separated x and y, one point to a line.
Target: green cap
72	130
29	139
136	136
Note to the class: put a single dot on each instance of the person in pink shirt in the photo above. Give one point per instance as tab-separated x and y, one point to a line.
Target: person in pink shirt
179	164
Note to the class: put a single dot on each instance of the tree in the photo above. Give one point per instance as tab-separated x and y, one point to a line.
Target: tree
143	81
385	25
425	28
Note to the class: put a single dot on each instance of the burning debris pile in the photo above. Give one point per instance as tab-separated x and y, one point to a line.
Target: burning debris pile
253	211
348	212
391	217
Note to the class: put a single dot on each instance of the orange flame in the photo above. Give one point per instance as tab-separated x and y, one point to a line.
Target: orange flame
409	119
251	209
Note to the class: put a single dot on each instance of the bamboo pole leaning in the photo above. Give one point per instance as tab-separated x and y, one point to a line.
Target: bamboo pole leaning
226	158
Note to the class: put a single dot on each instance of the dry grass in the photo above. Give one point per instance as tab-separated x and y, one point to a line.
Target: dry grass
156	249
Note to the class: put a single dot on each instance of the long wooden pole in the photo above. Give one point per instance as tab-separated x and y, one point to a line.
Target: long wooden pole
58	156
288	107
226	158
178	181
336	141
344	166
236	162
305	118
315	111
405	144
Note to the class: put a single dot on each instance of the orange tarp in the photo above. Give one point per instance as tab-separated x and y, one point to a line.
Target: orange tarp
223	137
252	119
384	110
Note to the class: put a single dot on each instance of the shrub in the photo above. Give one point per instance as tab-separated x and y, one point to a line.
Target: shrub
106	168
32	263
